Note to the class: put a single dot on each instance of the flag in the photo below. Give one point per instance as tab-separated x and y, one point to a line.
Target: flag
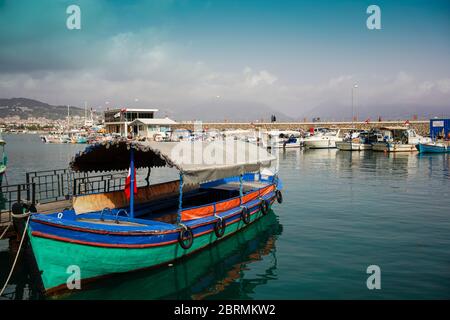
128	184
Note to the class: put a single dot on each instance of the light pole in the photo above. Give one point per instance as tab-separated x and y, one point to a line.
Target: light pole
355	86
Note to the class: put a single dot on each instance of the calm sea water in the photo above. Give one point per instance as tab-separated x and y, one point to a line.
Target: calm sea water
342	212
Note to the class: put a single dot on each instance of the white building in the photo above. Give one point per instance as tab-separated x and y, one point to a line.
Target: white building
152	128
120	121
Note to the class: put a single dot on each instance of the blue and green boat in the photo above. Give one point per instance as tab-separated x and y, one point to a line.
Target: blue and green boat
227	189
434	147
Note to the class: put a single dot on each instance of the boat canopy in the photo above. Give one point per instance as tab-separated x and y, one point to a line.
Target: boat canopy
197	161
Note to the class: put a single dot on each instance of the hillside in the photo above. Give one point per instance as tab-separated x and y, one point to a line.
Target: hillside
25	108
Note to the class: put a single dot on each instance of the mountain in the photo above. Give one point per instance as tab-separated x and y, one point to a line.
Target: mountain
220	110
25	108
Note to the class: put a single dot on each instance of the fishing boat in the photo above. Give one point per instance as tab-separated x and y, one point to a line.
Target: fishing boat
4	160
399	139
433	147
150	226
357	141
326	139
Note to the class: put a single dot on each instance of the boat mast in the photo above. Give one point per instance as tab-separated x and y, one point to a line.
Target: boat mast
132	182
85	113
68	117
180	199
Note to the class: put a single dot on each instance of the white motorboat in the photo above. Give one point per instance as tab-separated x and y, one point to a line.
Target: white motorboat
357	141
284	139
323	140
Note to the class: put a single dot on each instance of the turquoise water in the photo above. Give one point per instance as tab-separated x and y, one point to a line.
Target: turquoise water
342	212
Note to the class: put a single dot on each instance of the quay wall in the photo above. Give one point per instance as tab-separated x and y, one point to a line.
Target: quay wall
421	126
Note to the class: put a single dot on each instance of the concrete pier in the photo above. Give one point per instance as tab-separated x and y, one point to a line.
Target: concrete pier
421	126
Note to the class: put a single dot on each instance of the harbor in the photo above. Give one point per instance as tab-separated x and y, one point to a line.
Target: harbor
216	157
55	190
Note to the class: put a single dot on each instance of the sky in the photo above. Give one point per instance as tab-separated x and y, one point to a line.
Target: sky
292	56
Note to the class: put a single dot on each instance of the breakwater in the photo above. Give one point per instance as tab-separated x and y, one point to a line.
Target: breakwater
421	126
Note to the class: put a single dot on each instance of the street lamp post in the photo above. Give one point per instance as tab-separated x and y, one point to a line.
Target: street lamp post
354	87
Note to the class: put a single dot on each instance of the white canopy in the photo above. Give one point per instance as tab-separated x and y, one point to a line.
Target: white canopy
197	161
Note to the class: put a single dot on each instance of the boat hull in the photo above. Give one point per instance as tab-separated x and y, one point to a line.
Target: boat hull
431	148
320	144
353	146
55	255
393	147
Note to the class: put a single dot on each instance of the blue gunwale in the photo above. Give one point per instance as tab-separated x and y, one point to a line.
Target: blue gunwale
149	233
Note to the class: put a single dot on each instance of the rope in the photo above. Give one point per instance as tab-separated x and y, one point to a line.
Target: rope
17	256
4	232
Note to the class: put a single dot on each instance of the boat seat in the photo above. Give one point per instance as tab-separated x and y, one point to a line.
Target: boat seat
247	186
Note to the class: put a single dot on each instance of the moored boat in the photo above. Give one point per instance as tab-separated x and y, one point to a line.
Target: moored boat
357	141
284	139
114	233
434	147
324	140
399	139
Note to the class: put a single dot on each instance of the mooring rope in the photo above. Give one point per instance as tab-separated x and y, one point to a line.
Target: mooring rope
4	231
17	256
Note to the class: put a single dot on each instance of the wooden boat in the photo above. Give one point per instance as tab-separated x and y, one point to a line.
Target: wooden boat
107	233
434	147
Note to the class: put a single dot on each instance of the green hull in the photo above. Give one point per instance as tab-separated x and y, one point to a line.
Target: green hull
53	257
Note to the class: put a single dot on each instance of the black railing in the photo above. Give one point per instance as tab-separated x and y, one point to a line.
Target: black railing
98	184
51	185
10	194
55	185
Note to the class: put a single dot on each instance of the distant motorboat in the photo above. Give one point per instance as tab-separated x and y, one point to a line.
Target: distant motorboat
284	139
323	140
433	147
357	141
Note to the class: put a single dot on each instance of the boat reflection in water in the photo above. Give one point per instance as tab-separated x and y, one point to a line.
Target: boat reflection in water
206	274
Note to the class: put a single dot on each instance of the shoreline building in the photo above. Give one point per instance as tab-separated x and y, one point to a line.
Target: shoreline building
138	122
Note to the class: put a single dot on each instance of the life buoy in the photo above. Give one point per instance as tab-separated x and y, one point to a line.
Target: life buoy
264	207
186	238
219	227
279	196
245	215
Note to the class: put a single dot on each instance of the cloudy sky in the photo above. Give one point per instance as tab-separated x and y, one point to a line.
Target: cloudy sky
290	55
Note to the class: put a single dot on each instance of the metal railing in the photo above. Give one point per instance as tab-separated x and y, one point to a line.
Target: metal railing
56	185
98	184
10	194
51	185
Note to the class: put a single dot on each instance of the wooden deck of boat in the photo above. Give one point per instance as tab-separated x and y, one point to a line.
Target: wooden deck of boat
56	206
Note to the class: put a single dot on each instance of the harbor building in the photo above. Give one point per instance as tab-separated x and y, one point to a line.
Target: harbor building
152	128
139	122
